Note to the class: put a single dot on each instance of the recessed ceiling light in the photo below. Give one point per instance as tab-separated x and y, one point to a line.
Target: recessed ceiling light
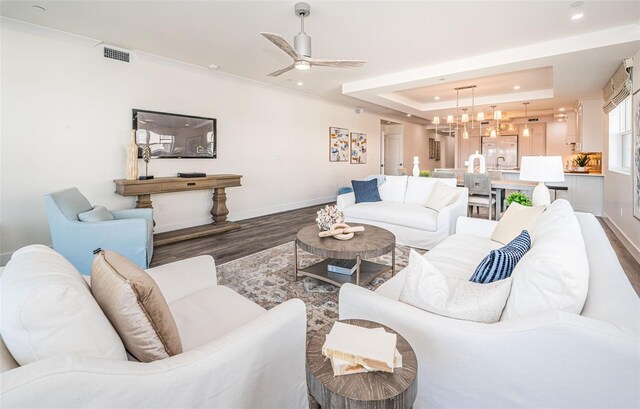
436	98
213	66
516	87
577	16
39	8
408	115
300	83
561	109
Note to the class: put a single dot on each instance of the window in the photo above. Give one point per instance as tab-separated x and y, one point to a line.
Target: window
620	137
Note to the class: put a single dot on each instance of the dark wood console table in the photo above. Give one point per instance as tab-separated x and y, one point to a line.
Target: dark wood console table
145	188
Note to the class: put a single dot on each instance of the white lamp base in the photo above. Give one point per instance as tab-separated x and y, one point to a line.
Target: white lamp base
541	196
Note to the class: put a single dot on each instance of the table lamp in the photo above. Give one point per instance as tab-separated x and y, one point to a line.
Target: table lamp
541	169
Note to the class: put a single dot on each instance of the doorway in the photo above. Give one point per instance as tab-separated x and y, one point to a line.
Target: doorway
392	148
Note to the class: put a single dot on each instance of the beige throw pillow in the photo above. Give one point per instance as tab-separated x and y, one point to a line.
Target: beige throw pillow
514	220
135	306
442	196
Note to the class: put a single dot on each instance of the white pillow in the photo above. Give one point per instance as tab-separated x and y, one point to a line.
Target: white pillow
554	274
48	310
97	214
393	189
427	288
442	196
514	220
419	189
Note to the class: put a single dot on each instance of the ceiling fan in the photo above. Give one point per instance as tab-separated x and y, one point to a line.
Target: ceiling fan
301	51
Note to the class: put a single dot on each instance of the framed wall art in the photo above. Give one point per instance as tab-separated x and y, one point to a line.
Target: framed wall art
338	144
635	130
358	147
432	148
436	154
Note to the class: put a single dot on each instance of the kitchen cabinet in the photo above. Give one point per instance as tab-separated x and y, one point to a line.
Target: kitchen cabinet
589	122
585	192
572	128
535	144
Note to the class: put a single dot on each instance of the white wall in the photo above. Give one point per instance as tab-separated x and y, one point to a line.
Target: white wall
66	118
618	190
416	143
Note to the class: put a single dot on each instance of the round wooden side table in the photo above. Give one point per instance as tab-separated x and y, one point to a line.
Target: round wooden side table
371	390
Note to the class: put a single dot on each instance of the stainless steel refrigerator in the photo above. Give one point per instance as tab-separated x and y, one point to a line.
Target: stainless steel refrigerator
500	152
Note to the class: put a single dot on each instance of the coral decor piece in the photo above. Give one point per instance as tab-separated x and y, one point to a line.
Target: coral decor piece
341	231
329	216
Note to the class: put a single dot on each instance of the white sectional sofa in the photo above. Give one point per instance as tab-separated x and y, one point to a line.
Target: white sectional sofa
236	353
545	358
402	210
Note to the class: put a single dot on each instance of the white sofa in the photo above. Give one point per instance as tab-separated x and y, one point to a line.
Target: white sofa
236	354
402	210
551	358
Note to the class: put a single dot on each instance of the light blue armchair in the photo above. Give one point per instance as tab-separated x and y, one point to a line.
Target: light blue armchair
130	234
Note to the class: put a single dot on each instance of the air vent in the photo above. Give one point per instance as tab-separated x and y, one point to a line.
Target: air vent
532	119
114	54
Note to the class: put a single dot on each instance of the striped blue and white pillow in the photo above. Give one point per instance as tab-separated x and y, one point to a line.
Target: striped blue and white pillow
499	264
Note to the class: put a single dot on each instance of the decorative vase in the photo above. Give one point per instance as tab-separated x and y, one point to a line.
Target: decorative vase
416	166
132	157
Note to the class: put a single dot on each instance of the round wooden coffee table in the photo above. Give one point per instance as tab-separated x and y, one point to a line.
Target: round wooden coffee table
372	242
363	390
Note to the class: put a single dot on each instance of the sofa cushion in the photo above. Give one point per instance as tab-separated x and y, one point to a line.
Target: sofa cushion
429	289
366	191
393	189
97	214
48	310
204	315
516	219
401	214
554	274
419	189
135	306
499	263
442	196
446	256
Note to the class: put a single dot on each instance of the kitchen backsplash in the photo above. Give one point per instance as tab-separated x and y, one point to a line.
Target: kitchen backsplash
595	161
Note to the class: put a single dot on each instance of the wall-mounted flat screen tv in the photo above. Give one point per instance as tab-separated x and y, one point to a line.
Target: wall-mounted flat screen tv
174	135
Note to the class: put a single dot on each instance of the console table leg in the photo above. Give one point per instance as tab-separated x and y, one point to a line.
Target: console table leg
219	210
358	262
144	202
295	260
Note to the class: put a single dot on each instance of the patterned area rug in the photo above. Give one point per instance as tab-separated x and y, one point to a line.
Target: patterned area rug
266	278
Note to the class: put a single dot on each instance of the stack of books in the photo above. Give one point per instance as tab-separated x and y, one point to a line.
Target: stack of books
354	349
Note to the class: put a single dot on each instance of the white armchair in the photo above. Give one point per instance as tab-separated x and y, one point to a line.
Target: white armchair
236	355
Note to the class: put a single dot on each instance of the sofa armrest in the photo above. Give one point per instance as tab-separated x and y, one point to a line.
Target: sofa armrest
258	365
458	360
146	214
477	227
345	200
181	278
449	214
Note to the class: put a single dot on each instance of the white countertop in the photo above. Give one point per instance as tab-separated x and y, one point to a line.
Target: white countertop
566	173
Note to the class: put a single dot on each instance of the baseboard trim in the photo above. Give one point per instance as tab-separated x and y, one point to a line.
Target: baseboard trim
628	244
239	216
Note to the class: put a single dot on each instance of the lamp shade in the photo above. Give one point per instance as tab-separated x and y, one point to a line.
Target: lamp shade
449	119
480	116
542	169
436	120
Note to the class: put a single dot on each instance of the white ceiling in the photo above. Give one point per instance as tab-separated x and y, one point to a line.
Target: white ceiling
403	42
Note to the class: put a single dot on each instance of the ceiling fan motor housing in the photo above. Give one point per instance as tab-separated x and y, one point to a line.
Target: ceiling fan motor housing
302	44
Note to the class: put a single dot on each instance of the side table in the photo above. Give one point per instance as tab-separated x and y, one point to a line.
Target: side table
371	390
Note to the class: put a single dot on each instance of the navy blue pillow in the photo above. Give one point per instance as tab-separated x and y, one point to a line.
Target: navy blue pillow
499	264
366	190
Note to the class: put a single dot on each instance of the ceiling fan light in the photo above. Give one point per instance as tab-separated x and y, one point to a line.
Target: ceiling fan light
302	65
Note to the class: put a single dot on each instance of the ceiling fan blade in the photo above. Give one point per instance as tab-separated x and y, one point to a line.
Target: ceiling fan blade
336	63
281	43
282	71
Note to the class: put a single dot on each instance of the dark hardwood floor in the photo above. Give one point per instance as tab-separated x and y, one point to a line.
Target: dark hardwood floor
264	232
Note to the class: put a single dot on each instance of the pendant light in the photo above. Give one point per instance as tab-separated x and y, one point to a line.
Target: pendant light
449	121
436	121
465	119
497	116
525	132
480	119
